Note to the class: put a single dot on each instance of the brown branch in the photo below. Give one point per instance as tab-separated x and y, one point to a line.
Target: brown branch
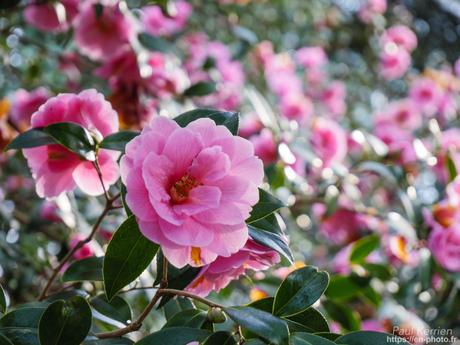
80	244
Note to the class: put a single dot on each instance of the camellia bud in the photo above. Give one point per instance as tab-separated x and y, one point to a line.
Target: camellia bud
216	315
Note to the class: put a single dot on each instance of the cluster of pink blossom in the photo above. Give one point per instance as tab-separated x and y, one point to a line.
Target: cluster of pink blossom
396	44
370	9
211	61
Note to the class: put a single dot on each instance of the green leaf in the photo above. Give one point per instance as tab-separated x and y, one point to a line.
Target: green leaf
4	340
271	240
176	305
266	205
201	88
21	325
261	323
193	318
2	300
175	336
300	290
73	137
153	43
88	269
309	339
328	335
220	338
111	341
123	199
348	318
368	337
178	278
381	271
345	287
451	167
32	138
118	141
311	319
129	253
116	309
65	322
228	119
363	247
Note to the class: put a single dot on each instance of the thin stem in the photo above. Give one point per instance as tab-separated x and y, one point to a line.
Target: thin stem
80	244
164	277
135	325
99	174
189	295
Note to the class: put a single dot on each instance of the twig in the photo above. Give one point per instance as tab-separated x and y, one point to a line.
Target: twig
189	295
80	244
99	174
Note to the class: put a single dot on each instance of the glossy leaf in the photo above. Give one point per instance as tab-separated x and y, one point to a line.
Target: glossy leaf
4	340
175	336
193	318
311	319
266	205
73	137
111	341
271	240
21	325
129	253
2	300
348	318
224	118
118	141
31	138
116	309
261	323
153	43
176	305
87	269
220	338
301	338
300	290
65	322
199	89
369	337
344	287
363	247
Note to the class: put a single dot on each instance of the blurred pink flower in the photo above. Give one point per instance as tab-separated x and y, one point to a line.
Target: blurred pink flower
427	95
49	211
249	125
192	188
25	103
85	251
156	23
223	270
333	98
449	145
120	68
400	35
403	113
394	63
444	243
371	8
264	146
398	140
296	106
101	36
329	141
311	57
56	169
47	16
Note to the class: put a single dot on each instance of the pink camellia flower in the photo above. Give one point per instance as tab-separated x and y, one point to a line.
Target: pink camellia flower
400	35
394	62
333	98
56	169
264	146
85	251
371	8
311	57
329	141
100	36
156	23
191	188
25	103
403	113
49	211
121	68
398	140
426	94
296	106
51	17
444	243
223	270
249	126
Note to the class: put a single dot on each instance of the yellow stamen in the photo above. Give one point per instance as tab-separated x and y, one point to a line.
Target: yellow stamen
196	256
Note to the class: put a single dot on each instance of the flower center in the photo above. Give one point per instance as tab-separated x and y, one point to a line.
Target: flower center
180	189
